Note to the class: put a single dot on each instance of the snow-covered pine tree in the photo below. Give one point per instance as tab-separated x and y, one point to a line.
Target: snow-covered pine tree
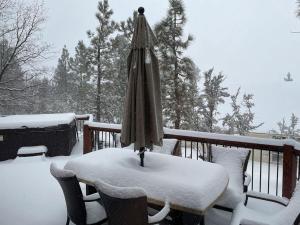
81	68
178	72
64	84
101	50
241	120
120	50
298	9
213	94
288	130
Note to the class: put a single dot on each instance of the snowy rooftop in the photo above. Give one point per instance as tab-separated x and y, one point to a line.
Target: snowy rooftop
35	120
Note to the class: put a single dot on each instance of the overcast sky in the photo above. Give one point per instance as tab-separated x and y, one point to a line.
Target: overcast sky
249	40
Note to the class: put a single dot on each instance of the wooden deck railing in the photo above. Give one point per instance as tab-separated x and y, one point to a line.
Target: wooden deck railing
274	164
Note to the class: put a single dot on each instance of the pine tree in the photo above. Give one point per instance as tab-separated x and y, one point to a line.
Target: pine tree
298	9
212	96
241	120
121	45
288	130
101	50
178	72
64	84
81	68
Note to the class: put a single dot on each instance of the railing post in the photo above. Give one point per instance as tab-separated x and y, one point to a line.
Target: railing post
87	139
289	171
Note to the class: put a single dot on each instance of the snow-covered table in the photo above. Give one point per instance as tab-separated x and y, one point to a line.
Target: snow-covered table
189	185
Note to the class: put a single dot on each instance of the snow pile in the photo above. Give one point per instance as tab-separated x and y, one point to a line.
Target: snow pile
182	181
35	120
32	150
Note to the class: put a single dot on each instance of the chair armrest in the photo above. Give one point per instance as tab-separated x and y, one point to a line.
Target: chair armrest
91	198
266	197
160	215
247	179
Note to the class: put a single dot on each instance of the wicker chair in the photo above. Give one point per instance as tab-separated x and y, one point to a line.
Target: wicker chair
82	210
127	206
268	210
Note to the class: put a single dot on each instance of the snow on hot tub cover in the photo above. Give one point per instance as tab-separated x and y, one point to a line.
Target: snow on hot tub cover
35	120
185	182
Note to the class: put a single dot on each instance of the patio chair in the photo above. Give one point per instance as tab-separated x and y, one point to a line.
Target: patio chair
128	206
268	210
81	210
235	162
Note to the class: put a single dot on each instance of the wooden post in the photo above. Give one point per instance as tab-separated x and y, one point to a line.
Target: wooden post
289	171
87	139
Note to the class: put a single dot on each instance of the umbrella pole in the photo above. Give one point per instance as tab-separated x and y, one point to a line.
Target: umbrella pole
142	155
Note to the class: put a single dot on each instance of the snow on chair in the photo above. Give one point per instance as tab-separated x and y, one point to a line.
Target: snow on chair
235	162
170	146
268	210
128	205
81	209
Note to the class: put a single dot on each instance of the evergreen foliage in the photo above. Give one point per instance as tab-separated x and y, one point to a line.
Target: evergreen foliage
241	120
179	74
101	52
212	95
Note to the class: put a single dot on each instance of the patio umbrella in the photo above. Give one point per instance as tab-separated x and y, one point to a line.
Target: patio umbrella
142	118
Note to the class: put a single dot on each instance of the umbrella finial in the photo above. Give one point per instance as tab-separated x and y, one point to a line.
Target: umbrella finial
141	10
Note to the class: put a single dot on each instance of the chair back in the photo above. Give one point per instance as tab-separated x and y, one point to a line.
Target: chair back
72	192
290	214
123	206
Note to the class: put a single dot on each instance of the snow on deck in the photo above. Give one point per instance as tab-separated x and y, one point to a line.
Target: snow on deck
35	120
29	195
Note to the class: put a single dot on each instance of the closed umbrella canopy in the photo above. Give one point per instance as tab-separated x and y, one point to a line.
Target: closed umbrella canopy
142	118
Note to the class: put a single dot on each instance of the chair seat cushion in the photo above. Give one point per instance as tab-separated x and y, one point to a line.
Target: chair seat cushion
95	212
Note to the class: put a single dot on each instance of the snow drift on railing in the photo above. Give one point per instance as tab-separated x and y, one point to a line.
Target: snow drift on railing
90	116
233	138
212	136
104	125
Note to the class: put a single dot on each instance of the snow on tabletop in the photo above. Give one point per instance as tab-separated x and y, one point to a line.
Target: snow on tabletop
32	149
182	181
35	120
235	138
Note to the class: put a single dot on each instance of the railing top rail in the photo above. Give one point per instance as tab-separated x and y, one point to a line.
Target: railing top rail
88	117
212	138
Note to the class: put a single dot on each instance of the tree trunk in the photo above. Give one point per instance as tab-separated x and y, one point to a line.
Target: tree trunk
98	99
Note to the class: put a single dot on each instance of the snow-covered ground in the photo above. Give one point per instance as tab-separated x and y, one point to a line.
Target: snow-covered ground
29	195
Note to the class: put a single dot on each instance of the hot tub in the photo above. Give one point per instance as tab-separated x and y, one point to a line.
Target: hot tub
55	131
